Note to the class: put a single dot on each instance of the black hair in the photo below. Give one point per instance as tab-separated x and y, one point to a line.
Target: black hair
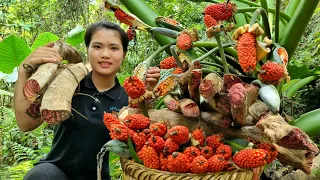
107	25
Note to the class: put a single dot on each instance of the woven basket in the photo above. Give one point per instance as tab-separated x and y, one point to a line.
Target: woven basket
135	171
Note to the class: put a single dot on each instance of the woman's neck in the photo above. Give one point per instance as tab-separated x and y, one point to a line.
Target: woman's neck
103	83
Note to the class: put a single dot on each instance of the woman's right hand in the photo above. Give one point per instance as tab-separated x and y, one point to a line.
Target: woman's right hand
44	54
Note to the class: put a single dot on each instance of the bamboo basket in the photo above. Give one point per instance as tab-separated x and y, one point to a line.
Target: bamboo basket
135	171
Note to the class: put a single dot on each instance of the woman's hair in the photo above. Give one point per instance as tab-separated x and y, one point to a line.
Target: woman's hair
106	25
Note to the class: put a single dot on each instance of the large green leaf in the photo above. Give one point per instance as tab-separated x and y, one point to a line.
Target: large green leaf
44	39
13	51
297	71
76	36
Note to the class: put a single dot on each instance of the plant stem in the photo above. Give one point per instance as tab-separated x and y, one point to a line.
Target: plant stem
249	3
175	56
276	22
222	55
210	44
295	87
271	10
157	52
212	64
264	15
144	108
294	30
213	50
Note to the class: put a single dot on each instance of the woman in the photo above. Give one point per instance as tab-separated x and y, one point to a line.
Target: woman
77	141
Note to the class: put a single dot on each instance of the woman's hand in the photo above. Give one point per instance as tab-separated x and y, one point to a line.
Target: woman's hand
153	76
44	54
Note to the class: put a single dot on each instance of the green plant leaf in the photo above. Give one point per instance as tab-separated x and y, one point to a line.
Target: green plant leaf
297	71
76	36
13	51
44	39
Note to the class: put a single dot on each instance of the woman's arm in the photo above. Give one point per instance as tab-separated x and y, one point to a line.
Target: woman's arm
40	56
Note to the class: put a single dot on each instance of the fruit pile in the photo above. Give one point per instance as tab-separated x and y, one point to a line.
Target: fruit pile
175	149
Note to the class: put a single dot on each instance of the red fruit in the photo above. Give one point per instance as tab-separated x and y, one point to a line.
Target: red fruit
123	17
149	157
168	63
209	21
199	165
214	140
250	158
109	119
216	163
177	71
137	121
246	47
184	42
237	95
134	87
157	143
131	33
191	152
119	132
146	133
177	162
158	129
271	72
139	141
207	152
220	11
198	135
180	134
170	146
163	162
272	151
225	151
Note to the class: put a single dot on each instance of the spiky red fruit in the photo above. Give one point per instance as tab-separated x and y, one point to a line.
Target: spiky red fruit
207	152
209	21
246	47
109	119
250	158
137	121
119	132
184	42
198	135
191	152
157	143
123	17
177	162
225	151
131	33
199	165
237	95
168	63
271	72
220	11
272	151
139	140
163	162
149	157
214	140
216	163
180	134
158	129
170	146
134	87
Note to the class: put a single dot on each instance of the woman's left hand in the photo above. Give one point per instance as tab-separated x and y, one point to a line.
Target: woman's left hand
153	76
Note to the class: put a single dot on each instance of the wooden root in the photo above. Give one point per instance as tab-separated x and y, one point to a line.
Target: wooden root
53	111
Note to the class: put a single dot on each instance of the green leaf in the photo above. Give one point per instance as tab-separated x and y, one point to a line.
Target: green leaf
76	36
44	39
13	51
297	71
133	153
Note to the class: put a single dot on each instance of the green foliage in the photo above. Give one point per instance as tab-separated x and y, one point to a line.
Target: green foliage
44	39
13	51
115	166
76	36
16	172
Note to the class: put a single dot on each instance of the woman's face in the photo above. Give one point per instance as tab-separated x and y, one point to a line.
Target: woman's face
105	52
